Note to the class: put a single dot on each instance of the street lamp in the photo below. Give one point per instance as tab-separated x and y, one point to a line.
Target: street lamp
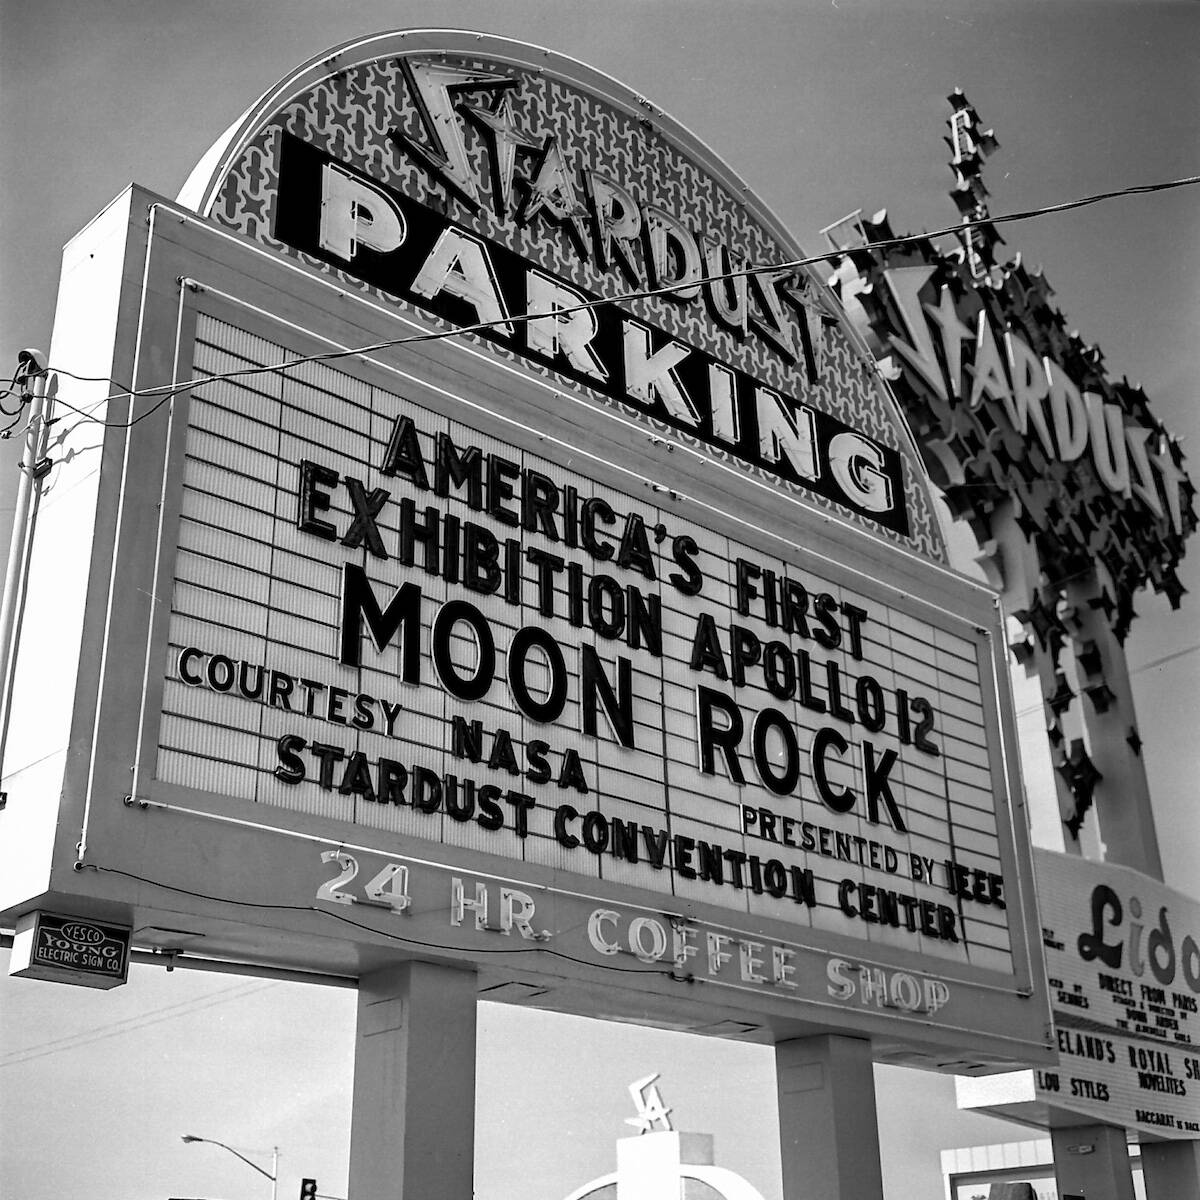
272	1174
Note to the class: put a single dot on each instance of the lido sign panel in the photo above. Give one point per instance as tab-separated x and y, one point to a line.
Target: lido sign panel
1123	957
599	638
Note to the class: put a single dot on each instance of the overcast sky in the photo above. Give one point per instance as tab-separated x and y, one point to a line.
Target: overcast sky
822	107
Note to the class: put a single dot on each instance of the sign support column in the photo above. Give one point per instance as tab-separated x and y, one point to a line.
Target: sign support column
1124	812
412	1133
1092	1161
1171	1168
1018	573
828	1130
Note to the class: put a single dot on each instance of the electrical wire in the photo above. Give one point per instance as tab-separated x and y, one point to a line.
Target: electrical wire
532	948
167	391
1166	658
174	391
10	390
1149	666
5	432
154	1017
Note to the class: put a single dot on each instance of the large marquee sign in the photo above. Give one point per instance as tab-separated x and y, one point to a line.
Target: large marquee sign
606	646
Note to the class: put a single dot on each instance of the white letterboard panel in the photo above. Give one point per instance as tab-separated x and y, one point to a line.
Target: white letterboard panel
859	835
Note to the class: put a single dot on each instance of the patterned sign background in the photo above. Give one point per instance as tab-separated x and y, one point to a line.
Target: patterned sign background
355	115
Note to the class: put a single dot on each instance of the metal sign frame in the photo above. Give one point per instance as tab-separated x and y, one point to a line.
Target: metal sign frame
197	871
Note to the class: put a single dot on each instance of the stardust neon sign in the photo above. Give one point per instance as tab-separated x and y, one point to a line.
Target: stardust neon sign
646	245
409	250
1129	458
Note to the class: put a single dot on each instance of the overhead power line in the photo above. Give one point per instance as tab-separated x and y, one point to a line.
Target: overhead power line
1147	666
535	947
131	1024
165	392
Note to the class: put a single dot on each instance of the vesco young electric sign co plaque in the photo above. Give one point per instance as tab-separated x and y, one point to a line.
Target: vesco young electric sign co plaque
609	633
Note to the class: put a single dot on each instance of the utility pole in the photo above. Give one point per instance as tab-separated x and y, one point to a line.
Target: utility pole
31	374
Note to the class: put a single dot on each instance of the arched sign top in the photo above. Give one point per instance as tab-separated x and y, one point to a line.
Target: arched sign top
201	186
479	181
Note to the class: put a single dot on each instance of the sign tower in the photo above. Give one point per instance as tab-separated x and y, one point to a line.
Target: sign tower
508	576
1078	499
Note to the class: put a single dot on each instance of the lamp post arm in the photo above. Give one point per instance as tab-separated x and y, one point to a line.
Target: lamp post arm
248	1162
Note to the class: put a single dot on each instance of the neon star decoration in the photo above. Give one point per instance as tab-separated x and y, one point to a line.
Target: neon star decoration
443	152
505	141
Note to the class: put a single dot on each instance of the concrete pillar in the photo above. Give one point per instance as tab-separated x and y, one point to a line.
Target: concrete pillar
828	1132
1123	809
1020	576
412	1130
1092	1161
1171	1169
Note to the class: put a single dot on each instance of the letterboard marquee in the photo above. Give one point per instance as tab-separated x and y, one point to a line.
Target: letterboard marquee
399	623
607	647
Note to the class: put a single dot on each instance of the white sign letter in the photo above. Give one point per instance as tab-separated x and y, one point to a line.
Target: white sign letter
354	213
652	376
857	466
786	435
562	333
459	266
